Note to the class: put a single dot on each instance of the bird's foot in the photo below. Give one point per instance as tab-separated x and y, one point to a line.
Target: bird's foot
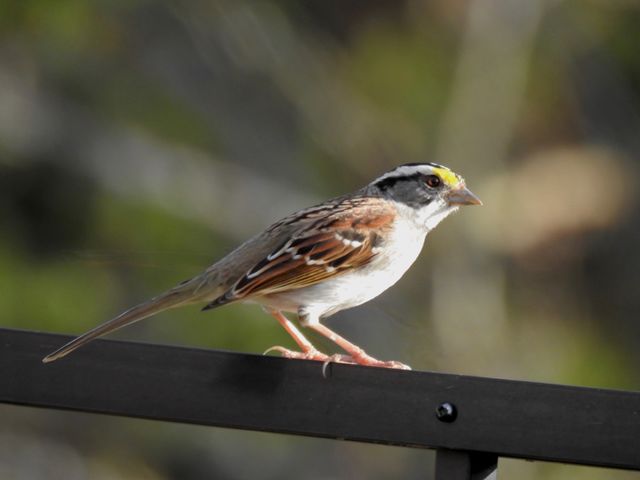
360	359
311	354
355	353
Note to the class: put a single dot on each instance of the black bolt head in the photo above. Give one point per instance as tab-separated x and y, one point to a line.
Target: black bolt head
446	412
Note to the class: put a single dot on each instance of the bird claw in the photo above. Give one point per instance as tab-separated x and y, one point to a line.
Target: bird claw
368	361
395	364
337	358
275	348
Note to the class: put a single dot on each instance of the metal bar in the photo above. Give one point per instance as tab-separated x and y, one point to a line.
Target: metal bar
458	465
500	417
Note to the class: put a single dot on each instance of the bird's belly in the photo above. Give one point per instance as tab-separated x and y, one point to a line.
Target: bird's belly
352	288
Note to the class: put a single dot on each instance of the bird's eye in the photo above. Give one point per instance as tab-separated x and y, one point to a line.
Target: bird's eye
433	181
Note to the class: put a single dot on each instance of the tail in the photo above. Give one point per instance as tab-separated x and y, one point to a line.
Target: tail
183	294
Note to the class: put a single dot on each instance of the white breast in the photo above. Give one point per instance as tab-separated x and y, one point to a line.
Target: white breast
359	286
399	253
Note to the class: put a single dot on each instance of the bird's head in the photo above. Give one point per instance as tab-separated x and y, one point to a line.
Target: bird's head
430	191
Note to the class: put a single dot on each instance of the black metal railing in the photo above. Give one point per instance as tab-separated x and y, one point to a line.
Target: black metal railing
470	421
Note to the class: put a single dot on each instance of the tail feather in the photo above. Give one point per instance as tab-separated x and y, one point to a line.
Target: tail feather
181	295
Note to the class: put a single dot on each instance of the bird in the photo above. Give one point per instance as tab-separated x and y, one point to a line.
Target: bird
320	260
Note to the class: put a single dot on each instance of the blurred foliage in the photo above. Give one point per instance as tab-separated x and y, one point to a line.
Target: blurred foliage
140	141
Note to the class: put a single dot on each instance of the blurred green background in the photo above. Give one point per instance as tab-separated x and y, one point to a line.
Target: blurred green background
141	140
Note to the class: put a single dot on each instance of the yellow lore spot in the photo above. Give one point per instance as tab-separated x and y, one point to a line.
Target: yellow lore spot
448	176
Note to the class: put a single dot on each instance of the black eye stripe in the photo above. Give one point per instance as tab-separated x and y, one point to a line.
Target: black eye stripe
433	181
389	182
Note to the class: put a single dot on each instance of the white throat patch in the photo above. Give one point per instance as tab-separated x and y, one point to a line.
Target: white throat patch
429	216
432	220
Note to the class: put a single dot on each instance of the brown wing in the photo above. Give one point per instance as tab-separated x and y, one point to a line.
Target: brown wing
344	239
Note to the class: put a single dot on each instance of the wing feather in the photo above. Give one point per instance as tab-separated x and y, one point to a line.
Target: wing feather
346	238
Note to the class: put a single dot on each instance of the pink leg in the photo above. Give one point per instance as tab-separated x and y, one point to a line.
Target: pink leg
305	345
309	352
355	353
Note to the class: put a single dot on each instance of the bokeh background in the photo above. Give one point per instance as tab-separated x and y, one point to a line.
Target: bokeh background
140	140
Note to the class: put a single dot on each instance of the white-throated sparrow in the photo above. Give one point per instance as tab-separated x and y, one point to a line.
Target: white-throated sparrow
321	260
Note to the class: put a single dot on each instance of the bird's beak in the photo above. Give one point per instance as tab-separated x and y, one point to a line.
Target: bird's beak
462	196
